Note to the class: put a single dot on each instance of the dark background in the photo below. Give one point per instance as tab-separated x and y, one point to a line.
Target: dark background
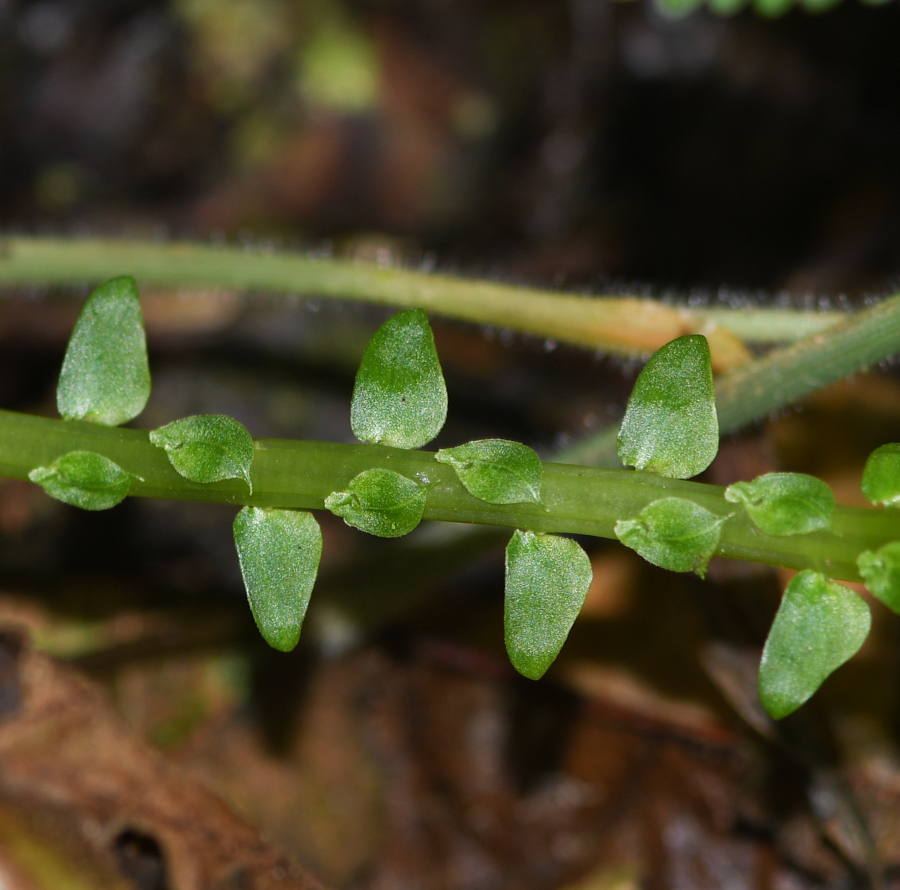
583	142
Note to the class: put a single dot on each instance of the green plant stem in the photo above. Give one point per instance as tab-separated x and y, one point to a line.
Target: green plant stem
782	377
576	500
622	325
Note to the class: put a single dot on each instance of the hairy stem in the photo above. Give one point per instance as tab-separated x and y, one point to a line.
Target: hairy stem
626	326
577	500
782	377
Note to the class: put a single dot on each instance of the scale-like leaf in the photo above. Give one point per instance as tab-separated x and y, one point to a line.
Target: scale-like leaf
496	470
84	479
279	553
673	533
670	425
881	572
819	625
207	448
105	377
400	398
547	580
785	503
881	476
380	502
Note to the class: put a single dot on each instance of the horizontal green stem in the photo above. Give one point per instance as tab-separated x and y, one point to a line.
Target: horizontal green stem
622	325
576	500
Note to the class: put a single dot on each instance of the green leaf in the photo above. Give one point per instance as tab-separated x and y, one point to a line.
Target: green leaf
727	7
673	533
772	8
785	503
678	8
881	476
207	448
496	470
547	580
400	398
881	572
105	377
670	425
819	625
279	553
819	5
84	479
380	502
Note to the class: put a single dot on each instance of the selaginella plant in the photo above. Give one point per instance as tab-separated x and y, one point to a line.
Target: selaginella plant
386	486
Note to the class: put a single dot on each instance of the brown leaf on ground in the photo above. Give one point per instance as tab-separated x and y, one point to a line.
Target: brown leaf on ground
83	803
441	769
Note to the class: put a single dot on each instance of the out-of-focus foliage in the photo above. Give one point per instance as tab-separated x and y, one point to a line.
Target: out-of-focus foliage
766	8
581	142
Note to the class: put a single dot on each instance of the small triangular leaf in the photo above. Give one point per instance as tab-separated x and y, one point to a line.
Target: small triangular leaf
881	476
207	448
105	376
785	503
547	580
881	572
496	470
84	479
279	553
673	533
380	502
819	625
400	398
670	425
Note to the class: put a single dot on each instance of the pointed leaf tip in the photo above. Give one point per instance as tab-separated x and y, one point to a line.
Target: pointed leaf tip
496	470
380	502
785	503
820	625
207	448
547	581
670	425
105	376
674	534
84	479
400	398
279	553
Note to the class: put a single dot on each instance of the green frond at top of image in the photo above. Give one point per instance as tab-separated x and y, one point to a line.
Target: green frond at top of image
400	398
670	425
766	8
105	375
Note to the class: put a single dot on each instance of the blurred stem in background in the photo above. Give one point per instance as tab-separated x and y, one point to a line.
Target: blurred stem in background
824	347
624	326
